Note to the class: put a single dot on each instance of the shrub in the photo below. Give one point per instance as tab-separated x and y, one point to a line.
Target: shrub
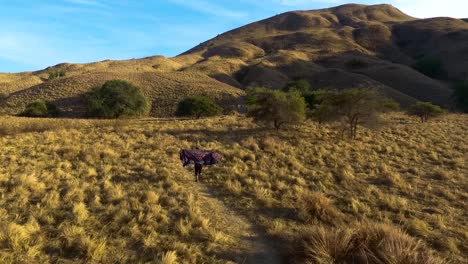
53	110
56	74
429	66
40	108
275	107
461	95
198	106
353	106
3	96
116	99
425	110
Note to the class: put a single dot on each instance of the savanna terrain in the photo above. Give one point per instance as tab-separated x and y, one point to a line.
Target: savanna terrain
104	191
74	191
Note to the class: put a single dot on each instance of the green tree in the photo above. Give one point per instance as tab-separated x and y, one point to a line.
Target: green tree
301	86
354	107
425	110
318	111
116	99
304	88
275	107
40	108
198	106
461	95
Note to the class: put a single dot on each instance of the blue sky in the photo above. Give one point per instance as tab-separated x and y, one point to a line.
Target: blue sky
40	33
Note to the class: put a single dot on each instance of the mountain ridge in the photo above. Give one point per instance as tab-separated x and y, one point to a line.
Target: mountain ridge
340	47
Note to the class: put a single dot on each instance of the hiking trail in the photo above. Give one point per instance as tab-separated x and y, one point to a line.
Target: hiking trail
254	246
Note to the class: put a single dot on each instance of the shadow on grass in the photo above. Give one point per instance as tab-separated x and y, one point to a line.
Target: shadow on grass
224	136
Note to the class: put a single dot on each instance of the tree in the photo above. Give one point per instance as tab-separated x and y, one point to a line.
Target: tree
116	99
198	106
304	88
40	108
275	107
301	86
319	111
461	95
354	107
425	110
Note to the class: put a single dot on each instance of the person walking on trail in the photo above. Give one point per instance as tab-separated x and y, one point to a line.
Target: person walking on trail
199	158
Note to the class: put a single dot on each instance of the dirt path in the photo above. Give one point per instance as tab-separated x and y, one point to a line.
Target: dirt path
253	247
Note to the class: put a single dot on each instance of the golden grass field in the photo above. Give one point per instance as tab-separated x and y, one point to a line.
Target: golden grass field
74	191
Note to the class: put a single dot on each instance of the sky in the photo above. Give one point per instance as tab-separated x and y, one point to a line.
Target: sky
35	34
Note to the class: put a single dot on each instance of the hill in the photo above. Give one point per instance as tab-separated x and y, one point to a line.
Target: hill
157	77
347	46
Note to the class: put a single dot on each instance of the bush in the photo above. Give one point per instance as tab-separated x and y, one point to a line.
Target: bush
275	107
3	96
429	66
353	106
461	95
56	74
198	106
116	99
425	110
41	108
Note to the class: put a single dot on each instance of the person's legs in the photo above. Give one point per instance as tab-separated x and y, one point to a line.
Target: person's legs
197	171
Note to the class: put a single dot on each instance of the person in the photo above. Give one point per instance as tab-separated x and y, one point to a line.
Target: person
199	158
198	170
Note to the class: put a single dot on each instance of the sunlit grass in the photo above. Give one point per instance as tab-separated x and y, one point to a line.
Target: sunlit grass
106	191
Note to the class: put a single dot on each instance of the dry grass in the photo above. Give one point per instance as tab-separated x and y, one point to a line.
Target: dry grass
367	243
163	90
99	194
94	191
10	83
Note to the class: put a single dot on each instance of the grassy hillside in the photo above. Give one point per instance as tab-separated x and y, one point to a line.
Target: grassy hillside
164	90
128	199
158	77
343	47
381	36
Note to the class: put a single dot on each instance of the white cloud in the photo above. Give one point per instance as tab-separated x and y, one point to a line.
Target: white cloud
433	8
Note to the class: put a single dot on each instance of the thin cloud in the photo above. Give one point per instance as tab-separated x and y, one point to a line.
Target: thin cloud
209	7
